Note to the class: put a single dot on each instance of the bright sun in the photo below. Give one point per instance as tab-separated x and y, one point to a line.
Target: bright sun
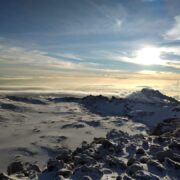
148	56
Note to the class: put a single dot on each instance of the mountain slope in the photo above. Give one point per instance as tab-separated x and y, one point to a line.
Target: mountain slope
148	106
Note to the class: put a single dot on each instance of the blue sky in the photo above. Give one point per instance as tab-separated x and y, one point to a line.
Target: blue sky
89	36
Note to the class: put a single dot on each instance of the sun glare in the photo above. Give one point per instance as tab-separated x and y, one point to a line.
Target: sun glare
148	56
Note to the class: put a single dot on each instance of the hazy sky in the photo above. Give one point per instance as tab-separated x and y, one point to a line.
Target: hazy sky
81	44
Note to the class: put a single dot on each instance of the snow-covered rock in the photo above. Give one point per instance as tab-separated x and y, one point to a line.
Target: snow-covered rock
147	106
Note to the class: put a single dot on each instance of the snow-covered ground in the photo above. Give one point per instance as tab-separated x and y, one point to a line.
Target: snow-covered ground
35	127
34	132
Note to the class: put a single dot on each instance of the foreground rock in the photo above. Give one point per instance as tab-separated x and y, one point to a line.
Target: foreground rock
169	127
118	156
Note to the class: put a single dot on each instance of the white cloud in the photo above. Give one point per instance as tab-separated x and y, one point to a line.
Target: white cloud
17	56
70	56
174	32
155	55
19	62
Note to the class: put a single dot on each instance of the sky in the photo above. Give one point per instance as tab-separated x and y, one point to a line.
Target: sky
90	45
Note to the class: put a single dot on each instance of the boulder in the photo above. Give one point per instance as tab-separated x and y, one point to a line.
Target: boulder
118	178
116	163
64	172
5	177
59	177
134	168
144	175
155	164
145	144
86	178
107	171
91	171
167	127
126	177
175	145
172	163
154	148
144	159
140	151
163	154
15	167
131	161
54	165
65	156
83	159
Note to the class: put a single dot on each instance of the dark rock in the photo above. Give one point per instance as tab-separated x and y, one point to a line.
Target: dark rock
161	140
154	148
98	140
107	171
26	100
64	155
86	178
93	123
119	148
167	127
150	139
118	178
172	163
93	172
59	177
134	168
145	144
175	145
84	159
176	133
116	163
36	130
85	145
107	144
4	177
35	167
131	161
131	149
126	177
144	159
64	172
144	175
15	167
73	125
54	165
154	164
163	154
10	107
140	151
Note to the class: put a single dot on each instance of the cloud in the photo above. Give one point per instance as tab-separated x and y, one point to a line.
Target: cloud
20	62
171	56
166	57
175	64
68	56
174	32
21	57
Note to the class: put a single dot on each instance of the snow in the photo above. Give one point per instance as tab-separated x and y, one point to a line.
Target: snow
34	127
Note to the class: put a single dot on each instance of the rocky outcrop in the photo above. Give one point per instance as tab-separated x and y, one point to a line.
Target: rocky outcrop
168	127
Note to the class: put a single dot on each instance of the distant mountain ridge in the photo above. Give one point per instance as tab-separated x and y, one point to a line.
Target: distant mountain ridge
151	95
148	106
